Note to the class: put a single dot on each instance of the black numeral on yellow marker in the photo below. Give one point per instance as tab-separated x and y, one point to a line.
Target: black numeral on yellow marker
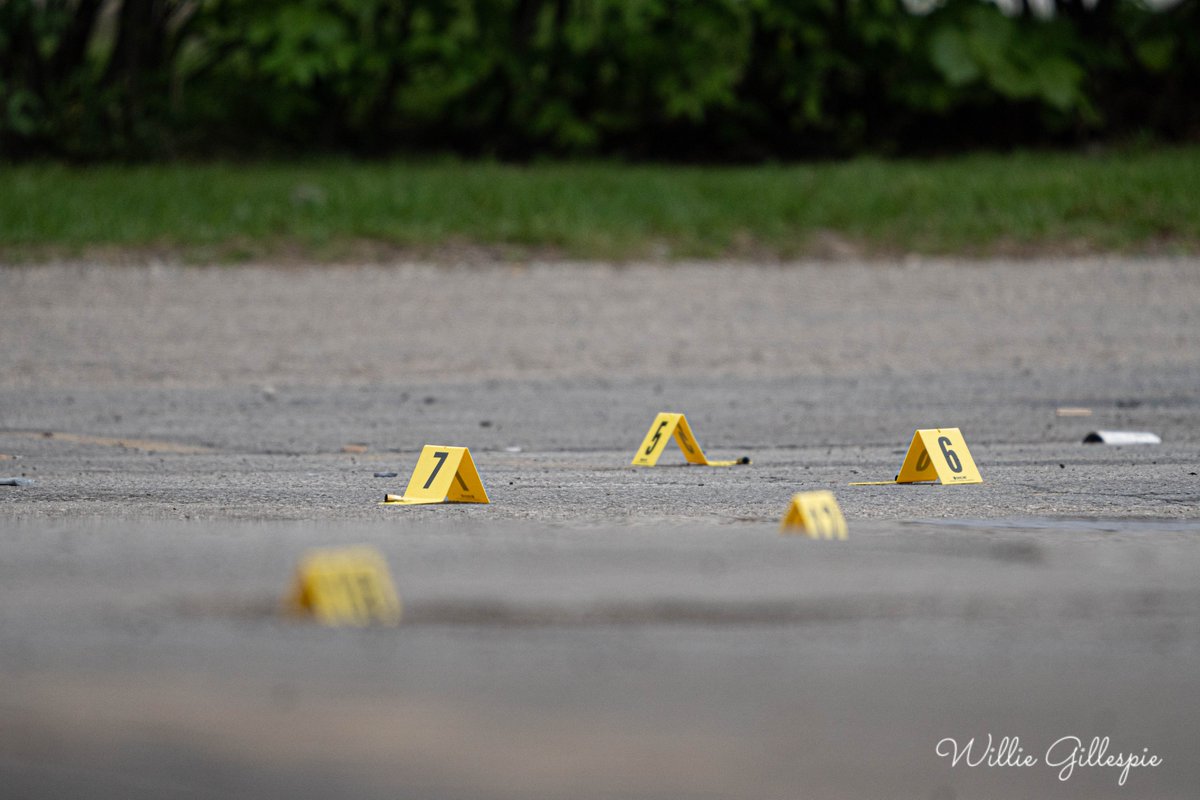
657	436
441	457
951	457
937	454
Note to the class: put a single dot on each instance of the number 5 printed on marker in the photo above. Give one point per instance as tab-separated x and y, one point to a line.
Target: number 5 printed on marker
657	435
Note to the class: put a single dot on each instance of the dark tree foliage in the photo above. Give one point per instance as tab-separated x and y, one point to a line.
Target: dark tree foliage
663	79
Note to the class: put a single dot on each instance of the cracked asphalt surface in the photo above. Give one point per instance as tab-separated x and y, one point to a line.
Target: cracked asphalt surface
598	630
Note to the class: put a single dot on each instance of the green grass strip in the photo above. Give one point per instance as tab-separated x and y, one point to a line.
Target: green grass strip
329	210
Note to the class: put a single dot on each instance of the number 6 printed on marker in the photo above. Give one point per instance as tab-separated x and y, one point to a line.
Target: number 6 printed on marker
950	456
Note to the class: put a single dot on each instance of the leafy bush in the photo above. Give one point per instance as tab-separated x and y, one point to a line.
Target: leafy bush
722	79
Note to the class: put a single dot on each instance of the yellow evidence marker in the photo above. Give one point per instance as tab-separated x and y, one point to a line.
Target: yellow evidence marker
665	426
935	454
345	586
816	514
442	475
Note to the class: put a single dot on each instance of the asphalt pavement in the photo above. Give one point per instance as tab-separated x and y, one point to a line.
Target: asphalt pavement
598	630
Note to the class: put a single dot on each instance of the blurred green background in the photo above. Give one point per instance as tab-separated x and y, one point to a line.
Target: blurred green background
237	129
712	80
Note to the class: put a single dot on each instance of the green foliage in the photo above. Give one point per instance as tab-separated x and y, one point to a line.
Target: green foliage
719	79
993	52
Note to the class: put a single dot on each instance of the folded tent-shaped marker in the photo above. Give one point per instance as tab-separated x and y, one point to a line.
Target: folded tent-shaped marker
345	586
935	454
667	426
442	475
816	514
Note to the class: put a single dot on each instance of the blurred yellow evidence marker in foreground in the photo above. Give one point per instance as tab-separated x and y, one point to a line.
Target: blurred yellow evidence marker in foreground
345	586
442	475
935	454
664	427
816	514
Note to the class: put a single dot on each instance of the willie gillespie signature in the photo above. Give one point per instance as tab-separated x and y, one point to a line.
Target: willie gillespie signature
1066	754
